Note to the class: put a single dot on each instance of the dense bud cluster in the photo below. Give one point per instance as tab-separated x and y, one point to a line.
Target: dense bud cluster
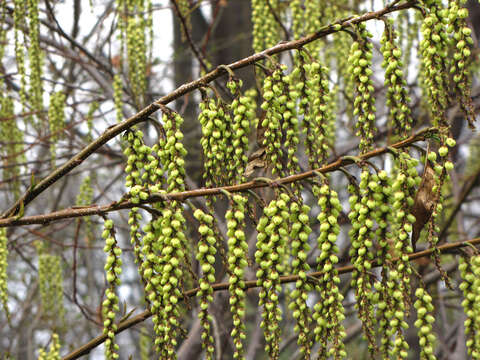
113	269
404	187
165	244
243	109
137	48
117	96
460	67
434	51
19	15
216	136
363	204
53	352
237	262
206	258
84	198
3	270
315	106
360	61
299	231
271	247
397	95
329	311
12	151
265	27
35	57
441	166
281	122
56	120
50	280
424	322
470	273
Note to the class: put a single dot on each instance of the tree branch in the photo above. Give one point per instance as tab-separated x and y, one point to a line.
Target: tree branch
182	196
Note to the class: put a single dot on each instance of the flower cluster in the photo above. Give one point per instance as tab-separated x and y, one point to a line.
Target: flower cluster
237	262
424	323
12	149
172	244
470	273
138	155
35	57
19	14
217	136
85	197
243	109
360	61
206	258
363	206
299	231
56	120
329	312
150	266
459	68
172	152
404	188
3	269
117	96
281	122
440	165
397	95
393	290
265	27
50	279
271	246
113	269
136	26
54	352
434	50
318	122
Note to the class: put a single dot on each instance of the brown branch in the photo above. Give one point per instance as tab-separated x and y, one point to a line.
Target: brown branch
143	115
86	348
186	31
181	196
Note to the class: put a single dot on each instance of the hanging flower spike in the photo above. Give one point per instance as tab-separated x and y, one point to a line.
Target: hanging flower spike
397	95
113	269
281	122
424	323
318	122
360	61
299	232
363	206
13	152
329	312
206	257
3	270
50	279
434	50
19	15
217	137
265	27
470	273
36	59
271	241
56	119
237	262
243	109
460	67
